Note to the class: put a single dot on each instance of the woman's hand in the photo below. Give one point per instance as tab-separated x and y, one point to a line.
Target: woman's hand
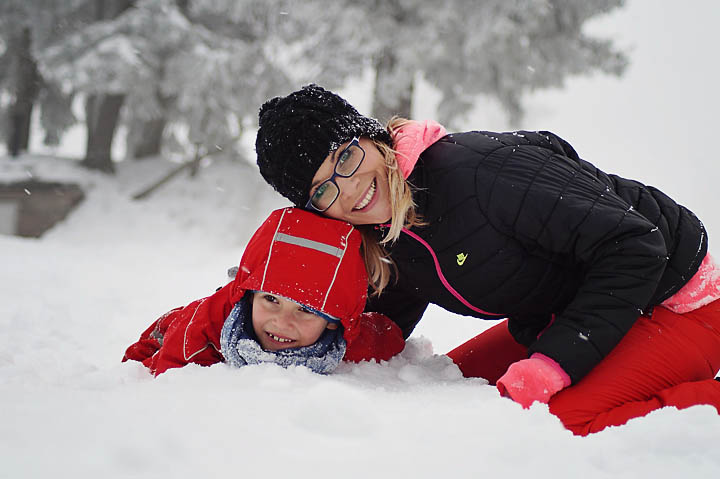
535	379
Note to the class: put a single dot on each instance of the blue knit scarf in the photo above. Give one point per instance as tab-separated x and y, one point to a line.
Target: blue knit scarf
240	347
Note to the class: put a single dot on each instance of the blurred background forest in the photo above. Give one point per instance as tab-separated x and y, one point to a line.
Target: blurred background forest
185	78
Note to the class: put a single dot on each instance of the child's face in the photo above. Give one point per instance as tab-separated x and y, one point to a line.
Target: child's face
280	323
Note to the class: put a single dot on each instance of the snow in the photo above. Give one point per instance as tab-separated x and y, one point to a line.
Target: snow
73	300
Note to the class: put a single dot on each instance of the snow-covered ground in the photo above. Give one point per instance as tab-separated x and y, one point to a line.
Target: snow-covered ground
75	299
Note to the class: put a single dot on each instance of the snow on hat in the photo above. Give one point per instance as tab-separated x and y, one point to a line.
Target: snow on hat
299	131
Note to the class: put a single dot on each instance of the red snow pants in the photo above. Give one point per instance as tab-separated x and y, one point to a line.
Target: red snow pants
666	359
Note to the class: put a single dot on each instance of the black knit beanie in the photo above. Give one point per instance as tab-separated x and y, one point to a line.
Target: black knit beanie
299	131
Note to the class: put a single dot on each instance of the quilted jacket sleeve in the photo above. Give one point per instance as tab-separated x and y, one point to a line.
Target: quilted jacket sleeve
533	189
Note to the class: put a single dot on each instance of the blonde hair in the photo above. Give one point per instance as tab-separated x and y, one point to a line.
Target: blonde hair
378	263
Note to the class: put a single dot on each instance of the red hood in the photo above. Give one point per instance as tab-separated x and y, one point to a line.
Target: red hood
310	259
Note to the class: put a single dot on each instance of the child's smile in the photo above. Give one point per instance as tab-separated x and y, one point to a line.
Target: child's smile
279	339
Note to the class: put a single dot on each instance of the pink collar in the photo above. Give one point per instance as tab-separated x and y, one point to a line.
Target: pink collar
412	139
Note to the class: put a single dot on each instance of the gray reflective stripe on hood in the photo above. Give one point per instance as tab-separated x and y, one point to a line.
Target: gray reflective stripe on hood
307	243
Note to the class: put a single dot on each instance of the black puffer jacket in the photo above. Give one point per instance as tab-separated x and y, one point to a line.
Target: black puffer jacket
542	232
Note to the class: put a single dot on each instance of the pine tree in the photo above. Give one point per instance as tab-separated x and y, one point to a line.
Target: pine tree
103	101
270	47
179	71
24	84
130	61
500	48
504	49
202	67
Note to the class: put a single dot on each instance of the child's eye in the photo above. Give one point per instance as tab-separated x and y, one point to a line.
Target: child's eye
303	309
270	298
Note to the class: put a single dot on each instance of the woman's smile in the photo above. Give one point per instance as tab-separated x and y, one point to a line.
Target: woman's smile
369	196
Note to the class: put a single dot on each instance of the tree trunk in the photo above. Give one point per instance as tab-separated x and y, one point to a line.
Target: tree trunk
102	113
393	88
148	139
26	85
108	9
183	6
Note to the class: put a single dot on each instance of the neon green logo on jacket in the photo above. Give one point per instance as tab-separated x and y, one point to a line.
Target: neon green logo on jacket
461	257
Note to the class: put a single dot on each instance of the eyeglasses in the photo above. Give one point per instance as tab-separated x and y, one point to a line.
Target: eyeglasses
348	162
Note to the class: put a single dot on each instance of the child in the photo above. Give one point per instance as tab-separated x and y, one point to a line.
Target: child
297	299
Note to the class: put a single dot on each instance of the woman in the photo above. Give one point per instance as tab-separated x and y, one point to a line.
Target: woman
514	225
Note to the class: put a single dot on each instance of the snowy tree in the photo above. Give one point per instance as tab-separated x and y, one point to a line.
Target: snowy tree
103	103
201	68
507	48
102	106
500	48
195	71
22	81
127	61
270	47
27	26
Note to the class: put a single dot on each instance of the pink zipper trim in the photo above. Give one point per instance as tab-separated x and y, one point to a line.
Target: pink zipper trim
440	274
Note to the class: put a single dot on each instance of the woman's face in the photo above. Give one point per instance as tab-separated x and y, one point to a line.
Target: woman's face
364	197
280	323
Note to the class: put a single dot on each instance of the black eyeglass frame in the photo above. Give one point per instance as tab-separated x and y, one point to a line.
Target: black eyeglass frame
354	142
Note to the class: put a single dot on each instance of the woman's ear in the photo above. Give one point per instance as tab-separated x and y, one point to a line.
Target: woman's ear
332	325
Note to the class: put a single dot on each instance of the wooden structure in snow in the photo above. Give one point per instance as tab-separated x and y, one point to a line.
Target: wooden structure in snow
29	208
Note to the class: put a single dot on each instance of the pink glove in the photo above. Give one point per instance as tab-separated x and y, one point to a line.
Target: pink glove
534	379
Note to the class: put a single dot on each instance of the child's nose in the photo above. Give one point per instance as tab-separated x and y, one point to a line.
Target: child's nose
285	319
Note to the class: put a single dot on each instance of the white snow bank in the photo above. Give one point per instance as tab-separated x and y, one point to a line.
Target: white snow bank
75	299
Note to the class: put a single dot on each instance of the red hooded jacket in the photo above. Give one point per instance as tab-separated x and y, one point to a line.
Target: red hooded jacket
296	254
